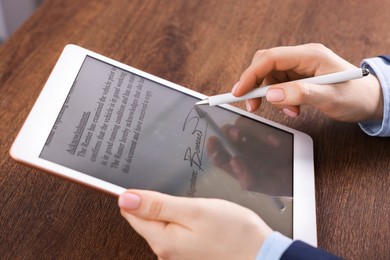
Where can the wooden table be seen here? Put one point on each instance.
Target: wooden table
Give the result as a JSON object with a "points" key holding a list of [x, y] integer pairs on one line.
{"points": [[203, 45]]}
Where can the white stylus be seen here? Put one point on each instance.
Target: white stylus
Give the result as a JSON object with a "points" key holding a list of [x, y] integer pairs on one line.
{"points": [[332, 78]]}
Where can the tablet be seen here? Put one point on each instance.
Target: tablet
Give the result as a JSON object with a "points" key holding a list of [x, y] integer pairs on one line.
{"points": [[111, 127]]}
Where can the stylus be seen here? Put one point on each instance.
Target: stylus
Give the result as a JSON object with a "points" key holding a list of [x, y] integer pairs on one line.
{"points": [[332, 78]]}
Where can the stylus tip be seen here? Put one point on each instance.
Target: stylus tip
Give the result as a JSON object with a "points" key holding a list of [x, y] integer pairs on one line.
{"points": [[203, 102]]}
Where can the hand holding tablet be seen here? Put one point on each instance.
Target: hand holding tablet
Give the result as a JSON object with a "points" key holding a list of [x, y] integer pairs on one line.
{"points": [[99, 122]]}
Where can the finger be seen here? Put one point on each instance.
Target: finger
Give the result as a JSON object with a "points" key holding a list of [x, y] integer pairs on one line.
{"points": [[275, 77], [154, 232], [152, 205], [252, 104], [281, 58], [292, 111], [299, 93], [305, 60], [144, 226]]}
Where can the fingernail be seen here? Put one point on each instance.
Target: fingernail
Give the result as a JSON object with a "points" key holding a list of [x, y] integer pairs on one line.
{"points": [[235, 87], [290, 112], [129, 201], [275, 95], [248, 106]]}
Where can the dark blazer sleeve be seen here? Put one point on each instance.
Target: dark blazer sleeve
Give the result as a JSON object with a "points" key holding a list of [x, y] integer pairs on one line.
{"points": [[385, 57], [299, 250]]}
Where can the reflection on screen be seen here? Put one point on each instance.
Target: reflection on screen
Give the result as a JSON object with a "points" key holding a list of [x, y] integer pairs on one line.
{"points": [[136, 133]]}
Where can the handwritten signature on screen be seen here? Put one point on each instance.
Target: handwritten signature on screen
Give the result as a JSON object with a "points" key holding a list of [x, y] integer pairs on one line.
{"points": [[194, 153]]}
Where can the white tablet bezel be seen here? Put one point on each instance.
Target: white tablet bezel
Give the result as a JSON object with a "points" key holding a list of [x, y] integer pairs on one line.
{"points": [[33, 135]]}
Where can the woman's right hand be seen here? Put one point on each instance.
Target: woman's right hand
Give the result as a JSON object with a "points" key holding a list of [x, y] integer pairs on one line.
{"points": [[351, 101]]}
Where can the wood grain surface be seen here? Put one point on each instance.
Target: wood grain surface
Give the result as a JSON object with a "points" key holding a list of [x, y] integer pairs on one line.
{"points": [[203, 45]]}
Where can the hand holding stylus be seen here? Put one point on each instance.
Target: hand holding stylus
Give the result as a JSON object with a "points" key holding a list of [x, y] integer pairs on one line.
{"points": [[333, 78], [283, 69]]}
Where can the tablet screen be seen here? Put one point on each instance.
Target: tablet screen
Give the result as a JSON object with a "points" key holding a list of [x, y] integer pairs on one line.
{"points": [[137, 133]]}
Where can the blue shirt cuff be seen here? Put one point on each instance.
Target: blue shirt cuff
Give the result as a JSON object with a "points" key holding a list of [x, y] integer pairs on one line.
{"points": [[274, 246], [381, 69]]}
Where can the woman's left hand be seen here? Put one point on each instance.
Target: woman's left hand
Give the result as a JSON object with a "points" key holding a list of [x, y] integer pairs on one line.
{"points": [[194, 228]]}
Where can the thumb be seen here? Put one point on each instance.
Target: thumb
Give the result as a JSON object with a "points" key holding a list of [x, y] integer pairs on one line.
{"points": [[299, 93], [155, 206]]}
